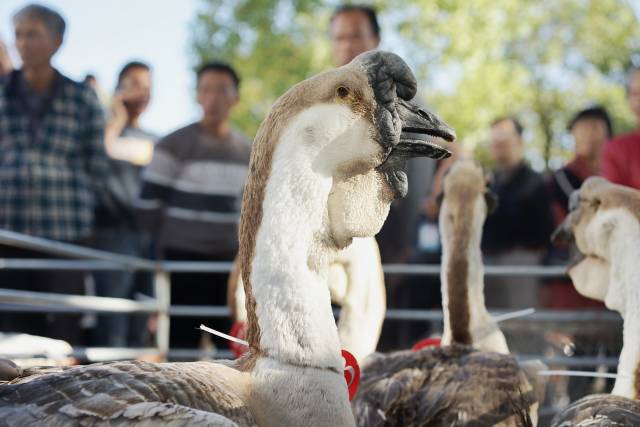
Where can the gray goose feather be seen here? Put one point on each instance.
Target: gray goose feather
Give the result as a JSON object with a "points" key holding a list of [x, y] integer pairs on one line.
{"points": [[602, 410], [122, 394], [443, 386]]}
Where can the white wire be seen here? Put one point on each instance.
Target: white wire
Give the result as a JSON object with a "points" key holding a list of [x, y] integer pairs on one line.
{"points": [[513, 315], [548, 373], [223, 335]]}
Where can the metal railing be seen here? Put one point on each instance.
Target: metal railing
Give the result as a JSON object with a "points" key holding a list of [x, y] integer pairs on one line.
{"points": [[89, 259]]}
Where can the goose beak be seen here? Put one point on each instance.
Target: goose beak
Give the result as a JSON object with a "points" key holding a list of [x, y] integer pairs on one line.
{"points": [[421, 136], [422, 132], [562, 234]]}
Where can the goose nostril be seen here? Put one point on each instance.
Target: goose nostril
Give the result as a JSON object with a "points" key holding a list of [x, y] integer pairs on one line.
{"points": [[423, 113]]}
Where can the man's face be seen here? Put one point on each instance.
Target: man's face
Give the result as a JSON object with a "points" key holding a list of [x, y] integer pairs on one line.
{"points": [[135, 89], [506, 144], [351, 34], [216, 95], [35, 42], [634, 94], [590, 136]]}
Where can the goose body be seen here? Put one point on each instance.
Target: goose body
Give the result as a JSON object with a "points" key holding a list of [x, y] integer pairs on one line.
{"points": [[602, 410], [128, 393], [457, 384], [604, 224], [444, 386], [325, 166]]}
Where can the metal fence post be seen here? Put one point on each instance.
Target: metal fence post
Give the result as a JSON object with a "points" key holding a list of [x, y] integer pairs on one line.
{"points": [[162, 284]]}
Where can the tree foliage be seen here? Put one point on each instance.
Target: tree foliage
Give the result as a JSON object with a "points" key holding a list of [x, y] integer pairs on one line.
{"points": [[539, 60]]}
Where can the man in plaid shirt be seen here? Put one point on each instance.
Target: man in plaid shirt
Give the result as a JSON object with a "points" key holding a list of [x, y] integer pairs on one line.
{"points": [[52, 159]]}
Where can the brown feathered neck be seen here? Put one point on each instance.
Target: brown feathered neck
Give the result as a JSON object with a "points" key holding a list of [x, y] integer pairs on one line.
{"points": [[462, 189]]}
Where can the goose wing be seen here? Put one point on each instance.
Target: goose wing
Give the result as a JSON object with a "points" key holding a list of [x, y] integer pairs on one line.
{"points": [[448, 386], [126, 393], [602, 410]]}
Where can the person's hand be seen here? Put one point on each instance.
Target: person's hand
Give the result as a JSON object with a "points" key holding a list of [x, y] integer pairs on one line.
{"points": [[119, 112], [6, 66]]}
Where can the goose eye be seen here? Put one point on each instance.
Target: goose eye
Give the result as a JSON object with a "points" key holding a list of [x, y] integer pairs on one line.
{"points": [[342, 92]]}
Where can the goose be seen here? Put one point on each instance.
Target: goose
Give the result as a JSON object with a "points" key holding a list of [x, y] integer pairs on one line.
{"points": [[452, 385], [356, 283], [604, 224], [325, 166], [466, 318]]}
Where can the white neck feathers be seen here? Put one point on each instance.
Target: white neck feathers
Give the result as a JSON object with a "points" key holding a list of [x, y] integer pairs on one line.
{"points": [[624, 292], [289, 268]]}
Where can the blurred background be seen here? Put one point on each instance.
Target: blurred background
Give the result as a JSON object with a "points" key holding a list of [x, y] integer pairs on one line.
{"points": [[475, 61]]}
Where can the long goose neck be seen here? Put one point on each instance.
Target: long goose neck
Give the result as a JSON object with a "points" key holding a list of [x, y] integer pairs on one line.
{"points": [[455, 290], [466, 319], [628, 382], [627, 274], [289, 267]]}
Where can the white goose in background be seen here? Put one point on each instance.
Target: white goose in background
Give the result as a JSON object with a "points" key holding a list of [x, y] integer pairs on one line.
{"points": [[454, 385], [325, 166], [604, 222], [356, 283]]}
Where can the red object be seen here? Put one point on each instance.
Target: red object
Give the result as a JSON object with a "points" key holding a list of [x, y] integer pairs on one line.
{"points": [[621, 160], [351, 373], [238, 330], [427, 342]]}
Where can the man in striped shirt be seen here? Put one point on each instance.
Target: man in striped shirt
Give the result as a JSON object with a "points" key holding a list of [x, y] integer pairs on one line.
{"points": [[191, 196]]}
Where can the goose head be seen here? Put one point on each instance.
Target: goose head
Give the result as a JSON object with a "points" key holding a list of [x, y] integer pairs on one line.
{"points": [[367, 158], [466, 203], [356, 125], [604, 225]]}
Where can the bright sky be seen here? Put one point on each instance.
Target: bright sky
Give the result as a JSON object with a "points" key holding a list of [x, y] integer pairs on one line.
{"points": [[103, 35]]}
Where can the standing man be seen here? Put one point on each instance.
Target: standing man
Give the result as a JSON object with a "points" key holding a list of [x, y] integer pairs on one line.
{"points": [[191, 197], [517, 232], [621, 157], [52, 160], [130, 148], [590, 128]]}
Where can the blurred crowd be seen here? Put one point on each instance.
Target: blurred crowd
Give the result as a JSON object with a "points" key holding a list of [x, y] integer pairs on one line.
{"points": [[77, 169]]}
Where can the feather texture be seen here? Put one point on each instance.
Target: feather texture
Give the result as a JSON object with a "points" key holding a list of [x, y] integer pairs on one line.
{"points": [[446, 386], [124, 393]]}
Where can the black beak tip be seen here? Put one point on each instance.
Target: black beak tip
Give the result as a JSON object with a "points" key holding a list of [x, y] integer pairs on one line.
{"points": [[562, 234], [448, 135]]}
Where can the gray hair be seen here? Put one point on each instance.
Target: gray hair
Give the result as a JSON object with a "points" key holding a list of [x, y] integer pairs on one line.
{"points": [[51, 19]]}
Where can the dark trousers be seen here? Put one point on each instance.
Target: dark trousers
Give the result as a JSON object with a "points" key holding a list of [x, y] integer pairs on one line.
{"points": [[120, 329], [197, 289], [49, 324]]}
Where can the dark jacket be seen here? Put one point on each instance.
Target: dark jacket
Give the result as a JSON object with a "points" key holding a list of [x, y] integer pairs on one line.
{"points": [[523, 215]]}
